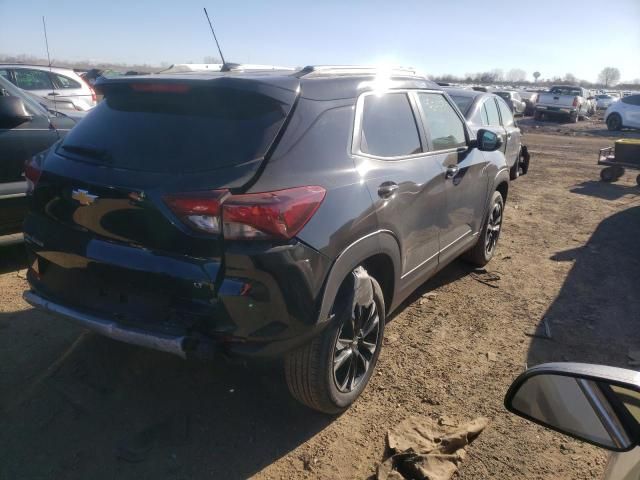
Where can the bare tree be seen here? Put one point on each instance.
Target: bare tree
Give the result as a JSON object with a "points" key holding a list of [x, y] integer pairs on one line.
{"points": [[609, 76], [536, 75], [211, 59], [516, 75], [498, 74], [570, 78]]}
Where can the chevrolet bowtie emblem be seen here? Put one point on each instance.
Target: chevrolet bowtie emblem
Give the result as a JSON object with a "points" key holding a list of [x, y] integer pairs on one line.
{"points": [[83, 197]]}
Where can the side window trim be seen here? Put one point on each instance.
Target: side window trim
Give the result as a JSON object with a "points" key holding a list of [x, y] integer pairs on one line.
{"points": [[357, 129]]}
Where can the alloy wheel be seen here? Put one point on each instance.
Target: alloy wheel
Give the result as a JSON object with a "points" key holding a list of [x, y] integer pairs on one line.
{"points": [[355, 347], [494, 224]]}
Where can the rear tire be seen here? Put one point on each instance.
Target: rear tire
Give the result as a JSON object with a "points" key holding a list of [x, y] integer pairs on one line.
{"points": [[485, 248], [614, 122], [537, 116], [573, 118], [329, 373]]}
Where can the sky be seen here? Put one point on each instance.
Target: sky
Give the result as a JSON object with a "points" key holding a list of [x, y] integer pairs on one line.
{"points": [[554, 37]]}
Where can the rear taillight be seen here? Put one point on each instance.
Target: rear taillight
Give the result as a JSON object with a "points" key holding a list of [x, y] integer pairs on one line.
{"points": [[575, 102], [32, 172], [94, 99], [261, 216]]}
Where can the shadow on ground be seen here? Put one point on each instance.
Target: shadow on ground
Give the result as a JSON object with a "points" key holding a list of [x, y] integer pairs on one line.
{"points": [[606, 191], [89, 407], [596, 316], [12, 255]]}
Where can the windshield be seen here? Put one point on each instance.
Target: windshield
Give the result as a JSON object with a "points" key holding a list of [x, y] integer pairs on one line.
{"points": [[463, 102]]}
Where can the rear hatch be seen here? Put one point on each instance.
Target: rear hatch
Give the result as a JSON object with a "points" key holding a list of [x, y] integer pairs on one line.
{"points": [[109, 180], [151, 138]]}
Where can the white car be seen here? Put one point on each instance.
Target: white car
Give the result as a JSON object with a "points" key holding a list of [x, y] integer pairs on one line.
{"points": [[53, 83], [624, 113], [604, 101]]}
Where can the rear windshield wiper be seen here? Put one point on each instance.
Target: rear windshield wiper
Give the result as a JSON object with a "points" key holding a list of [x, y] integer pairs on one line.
{"points": [[88, 151]]}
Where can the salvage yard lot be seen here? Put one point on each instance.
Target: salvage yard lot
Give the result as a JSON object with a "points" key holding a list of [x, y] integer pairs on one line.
{"points": [[75, 405]]}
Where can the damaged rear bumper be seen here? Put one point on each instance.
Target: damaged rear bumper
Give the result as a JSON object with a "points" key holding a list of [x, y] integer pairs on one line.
{"points": [[182, 346]]}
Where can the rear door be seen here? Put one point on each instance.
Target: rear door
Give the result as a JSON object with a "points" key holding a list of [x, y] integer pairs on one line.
{"points": [[631, 111], [513, 137], [465, 178], [71, 90], [405, 183]]}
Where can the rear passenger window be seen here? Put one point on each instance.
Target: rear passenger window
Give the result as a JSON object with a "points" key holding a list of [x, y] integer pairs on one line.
{"points": [[632, 100], [64, 82], [492, 113], [32, 79], [505, 112], [388, 126], [444, 125]]}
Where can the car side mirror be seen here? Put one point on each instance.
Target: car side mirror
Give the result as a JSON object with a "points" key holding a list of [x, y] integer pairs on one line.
{"points": [[593, 403], [12, 112], [488, 141]]}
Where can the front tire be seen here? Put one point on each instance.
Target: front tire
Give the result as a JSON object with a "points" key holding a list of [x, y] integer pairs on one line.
{"points": [[329, 373], [485, 248]]}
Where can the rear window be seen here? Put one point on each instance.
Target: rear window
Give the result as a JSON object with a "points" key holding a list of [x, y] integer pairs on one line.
{"points": [[64, 82], [576, 92], [463, 103], [199, 130], [631, 100], [388, 126]]}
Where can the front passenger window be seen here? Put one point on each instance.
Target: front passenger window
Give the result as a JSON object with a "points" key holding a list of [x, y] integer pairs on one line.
{"points": [[444, 125]]}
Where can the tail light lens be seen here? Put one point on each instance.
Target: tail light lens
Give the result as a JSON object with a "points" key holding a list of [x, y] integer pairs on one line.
{"points": [[575, 101], [262, 216], [33, 171], [94, 98]]}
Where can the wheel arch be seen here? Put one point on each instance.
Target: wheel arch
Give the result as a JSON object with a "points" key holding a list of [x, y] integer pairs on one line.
{"points": [[379, 253]]}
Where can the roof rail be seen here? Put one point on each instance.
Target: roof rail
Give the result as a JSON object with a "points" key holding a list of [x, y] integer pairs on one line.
{"points": [[319, 70]]}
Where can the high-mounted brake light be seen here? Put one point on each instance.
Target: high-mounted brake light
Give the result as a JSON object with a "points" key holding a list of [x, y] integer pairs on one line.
{"points": [[268, 215], [160, 87]]}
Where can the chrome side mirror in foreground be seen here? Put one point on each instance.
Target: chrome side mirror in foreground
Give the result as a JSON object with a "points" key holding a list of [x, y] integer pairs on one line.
{"points": [[593, 403]]}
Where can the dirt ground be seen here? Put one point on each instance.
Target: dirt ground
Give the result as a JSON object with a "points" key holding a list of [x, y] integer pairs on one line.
{"points": [[75, 406]]}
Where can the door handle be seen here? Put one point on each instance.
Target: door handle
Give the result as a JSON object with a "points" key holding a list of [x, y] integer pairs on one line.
{"points": [[387, 189], [54, 93], [451, 171]]}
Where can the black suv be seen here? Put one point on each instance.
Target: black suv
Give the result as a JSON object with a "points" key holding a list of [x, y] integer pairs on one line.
{"points": [[261, 214]]}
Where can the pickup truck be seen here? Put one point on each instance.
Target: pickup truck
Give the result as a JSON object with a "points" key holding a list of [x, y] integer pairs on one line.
{"points": [[563, 100]]}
